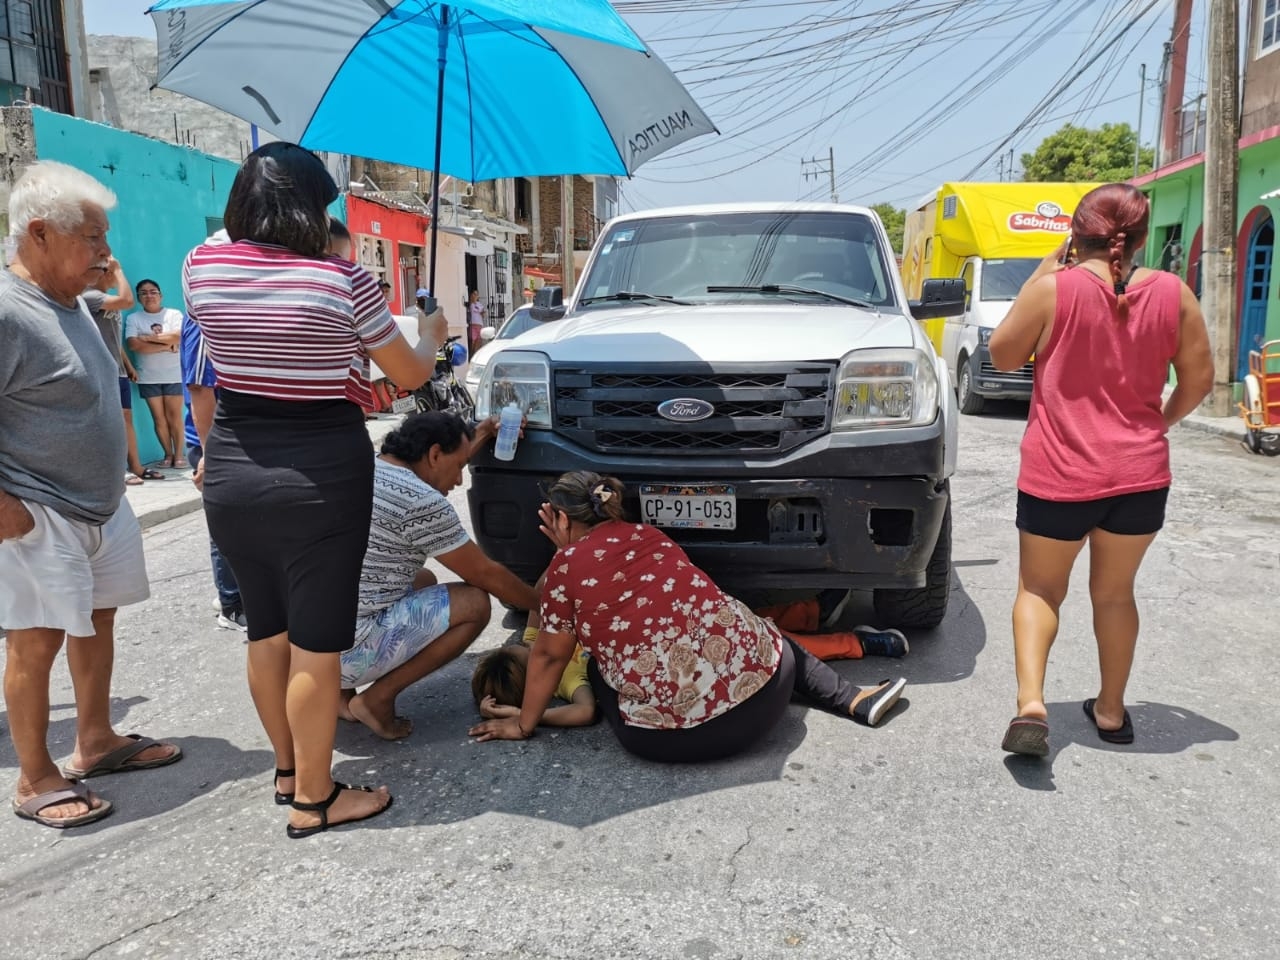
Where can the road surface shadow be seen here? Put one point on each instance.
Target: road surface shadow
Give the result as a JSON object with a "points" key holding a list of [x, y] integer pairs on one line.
{"points": [[1158, 728], [62, 727]]}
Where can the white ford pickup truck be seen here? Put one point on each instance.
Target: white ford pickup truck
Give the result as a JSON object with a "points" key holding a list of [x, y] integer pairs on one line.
{"points": [[755, 376]]}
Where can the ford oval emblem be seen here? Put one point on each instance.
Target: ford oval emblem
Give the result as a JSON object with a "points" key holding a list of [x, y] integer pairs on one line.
{"points": [[685, 410]]}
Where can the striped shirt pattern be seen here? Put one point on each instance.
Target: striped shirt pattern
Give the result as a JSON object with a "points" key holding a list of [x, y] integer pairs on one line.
{"points": [[285, 326], [412, 522]]}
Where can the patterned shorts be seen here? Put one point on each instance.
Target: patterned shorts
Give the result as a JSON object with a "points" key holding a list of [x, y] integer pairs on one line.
{"points": [[396, 635]]}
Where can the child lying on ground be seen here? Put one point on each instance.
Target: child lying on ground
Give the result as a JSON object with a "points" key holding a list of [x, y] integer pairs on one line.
{"points": [[498, 686]]}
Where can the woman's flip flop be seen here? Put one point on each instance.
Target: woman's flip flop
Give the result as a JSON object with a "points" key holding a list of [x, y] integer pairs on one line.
{"points": [[1123, 734], [1027, 736]]}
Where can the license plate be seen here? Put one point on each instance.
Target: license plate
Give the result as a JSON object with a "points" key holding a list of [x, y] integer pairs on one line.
{"points": [[404, 405], [698, 506]]}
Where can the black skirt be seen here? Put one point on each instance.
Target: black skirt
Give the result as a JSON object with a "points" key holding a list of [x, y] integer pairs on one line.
{"points": [[288, 494]]}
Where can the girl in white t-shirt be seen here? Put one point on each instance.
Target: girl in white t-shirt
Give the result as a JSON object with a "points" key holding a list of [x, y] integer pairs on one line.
{"points": [[154, 334]]}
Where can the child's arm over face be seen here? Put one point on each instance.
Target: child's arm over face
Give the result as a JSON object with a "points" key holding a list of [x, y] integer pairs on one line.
{"points": [[547, 660], [579, 712]]}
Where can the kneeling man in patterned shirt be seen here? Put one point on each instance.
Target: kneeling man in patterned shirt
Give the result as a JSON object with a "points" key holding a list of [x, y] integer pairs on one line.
{"points": [[409, 625]]}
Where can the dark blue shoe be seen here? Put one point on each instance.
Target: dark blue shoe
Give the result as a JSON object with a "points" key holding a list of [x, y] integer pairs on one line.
{"points": [[882, 643]]}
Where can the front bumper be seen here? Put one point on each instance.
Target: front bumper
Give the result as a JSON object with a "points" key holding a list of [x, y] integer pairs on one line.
{"points": [[849, 510]]}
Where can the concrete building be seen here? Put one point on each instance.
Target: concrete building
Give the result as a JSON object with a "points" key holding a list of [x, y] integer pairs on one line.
{"points": [[43, 55], [538, 208], [121, 72], [1176, 191]]}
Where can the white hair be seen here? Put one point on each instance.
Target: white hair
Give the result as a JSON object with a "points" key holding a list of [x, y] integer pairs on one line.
{"points": [[56, 193]]}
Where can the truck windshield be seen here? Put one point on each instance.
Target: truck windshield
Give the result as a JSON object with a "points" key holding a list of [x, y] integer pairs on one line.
{"points": [[681, 256], [1002, 279]]}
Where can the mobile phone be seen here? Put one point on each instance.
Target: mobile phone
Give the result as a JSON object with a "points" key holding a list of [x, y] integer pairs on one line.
{"points": [[429, 305], [1066, 252]]}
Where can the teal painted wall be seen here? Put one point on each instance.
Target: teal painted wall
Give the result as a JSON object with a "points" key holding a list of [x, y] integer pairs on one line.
{"points": [[166, 194]]}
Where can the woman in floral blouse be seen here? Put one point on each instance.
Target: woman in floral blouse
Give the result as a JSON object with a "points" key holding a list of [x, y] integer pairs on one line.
{"points": [[682, 671]]}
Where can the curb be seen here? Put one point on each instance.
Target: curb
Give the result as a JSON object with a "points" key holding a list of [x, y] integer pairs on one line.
{"points": [[159, 515], [1231, 427]]}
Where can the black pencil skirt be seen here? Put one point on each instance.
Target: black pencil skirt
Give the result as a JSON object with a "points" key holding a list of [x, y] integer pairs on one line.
{"points": [[288, 495]]}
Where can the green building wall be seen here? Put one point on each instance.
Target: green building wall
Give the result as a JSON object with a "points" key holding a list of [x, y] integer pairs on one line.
{"points": [[1177, 200]]}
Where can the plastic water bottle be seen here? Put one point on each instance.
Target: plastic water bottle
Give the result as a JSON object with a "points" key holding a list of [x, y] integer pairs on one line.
{"points": [[508, 432]]}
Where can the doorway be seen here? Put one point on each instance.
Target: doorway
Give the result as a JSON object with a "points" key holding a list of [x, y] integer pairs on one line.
{"points": [[1257, 288]]}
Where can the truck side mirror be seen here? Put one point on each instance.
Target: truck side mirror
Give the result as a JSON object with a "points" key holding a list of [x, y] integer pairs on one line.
{"points": [[939, 298], [548, 304]]}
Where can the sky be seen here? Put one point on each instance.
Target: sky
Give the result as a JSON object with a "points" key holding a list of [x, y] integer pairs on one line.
{"points": [[907, 95]]}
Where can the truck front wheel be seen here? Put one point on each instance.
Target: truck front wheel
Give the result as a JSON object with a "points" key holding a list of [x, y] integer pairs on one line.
{"points": [[970, 401], [924, 607]]}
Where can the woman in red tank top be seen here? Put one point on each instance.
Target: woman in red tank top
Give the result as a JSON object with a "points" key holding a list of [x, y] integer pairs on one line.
{"points": [[1095, 458]]}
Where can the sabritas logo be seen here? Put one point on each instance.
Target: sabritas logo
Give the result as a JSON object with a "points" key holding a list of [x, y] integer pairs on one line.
{"points": [[1048, 218]]}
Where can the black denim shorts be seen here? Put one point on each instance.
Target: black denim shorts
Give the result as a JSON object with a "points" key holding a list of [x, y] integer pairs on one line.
{"points": [[1129, 514]]}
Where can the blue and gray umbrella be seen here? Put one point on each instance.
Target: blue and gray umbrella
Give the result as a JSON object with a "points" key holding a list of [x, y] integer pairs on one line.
{"points": [[478, 90]]}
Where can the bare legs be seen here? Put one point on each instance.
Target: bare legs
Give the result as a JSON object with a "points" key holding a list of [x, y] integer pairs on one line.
{"points": [[296, 695], [1043, 576], [168, 443], [1044, 570], [177, 429], [26, 691], [133, 461], [375, 707], [1113, 566]]}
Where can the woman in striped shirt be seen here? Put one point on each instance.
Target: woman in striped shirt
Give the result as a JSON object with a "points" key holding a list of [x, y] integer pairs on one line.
{"points": [[288, 470]]}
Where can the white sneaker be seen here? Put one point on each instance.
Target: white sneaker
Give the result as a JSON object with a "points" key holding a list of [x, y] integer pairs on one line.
{"points": [[217, 604], [233, 620]]}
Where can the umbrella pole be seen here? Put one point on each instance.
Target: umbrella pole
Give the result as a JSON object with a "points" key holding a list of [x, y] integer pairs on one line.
{"points": [[435, 182]]}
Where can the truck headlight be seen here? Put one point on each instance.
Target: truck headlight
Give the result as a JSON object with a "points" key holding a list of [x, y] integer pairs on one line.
{"points": [[518, 375], [474, 374], [984, 335], [885, 388]]}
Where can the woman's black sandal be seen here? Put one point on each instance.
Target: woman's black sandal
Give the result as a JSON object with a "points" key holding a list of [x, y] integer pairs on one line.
{"points": [[322, 808], [284, 799]]}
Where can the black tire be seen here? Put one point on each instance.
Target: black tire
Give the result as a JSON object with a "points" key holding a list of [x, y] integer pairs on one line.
{"points": [[970, 402], [921, 608], [1253, 440]]}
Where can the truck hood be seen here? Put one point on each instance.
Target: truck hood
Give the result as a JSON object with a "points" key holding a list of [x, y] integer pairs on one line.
{"points": [[990, 313], [722, 333]]}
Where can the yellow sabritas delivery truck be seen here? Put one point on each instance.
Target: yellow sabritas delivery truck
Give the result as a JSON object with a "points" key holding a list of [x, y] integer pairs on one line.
{"points": [[992, 235]]}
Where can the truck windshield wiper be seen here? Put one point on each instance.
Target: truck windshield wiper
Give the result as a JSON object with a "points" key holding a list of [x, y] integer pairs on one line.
{"points": [[628, 295], [791, 288]]}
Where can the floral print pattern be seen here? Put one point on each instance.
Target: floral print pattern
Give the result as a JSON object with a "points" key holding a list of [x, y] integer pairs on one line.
{"points": [[677, 649]]}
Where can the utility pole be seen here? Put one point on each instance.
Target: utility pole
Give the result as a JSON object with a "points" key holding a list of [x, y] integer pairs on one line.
{"points": [[1137, 136], [817, 171], [566, 235], [1221, 166]]}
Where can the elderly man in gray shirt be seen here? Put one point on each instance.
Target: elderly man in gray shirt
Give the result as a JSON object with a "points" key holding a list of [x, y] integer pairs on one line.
{"points": [[70, 546]]}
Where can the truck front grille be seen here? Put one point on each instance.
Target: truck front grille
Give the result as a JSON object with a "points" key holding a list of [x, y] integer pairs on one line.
{"points": [[764, 409], [1026, 372]]}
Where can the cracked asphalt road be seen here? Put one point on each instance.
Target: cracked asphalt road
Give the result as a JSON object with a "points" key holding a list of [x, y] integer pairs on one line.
{"points": [[916, 840]]}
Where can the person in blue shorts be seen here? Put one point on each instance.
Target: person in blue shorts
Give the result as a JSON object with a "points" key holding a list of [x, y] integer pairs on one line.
{"points": [[407, 624]]}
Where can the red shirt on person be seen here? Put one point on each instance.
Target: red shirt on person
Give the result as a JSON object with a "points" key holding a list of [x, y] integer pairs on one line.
{"points": [[281, 325], [1096, 428], [676, 649]]}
